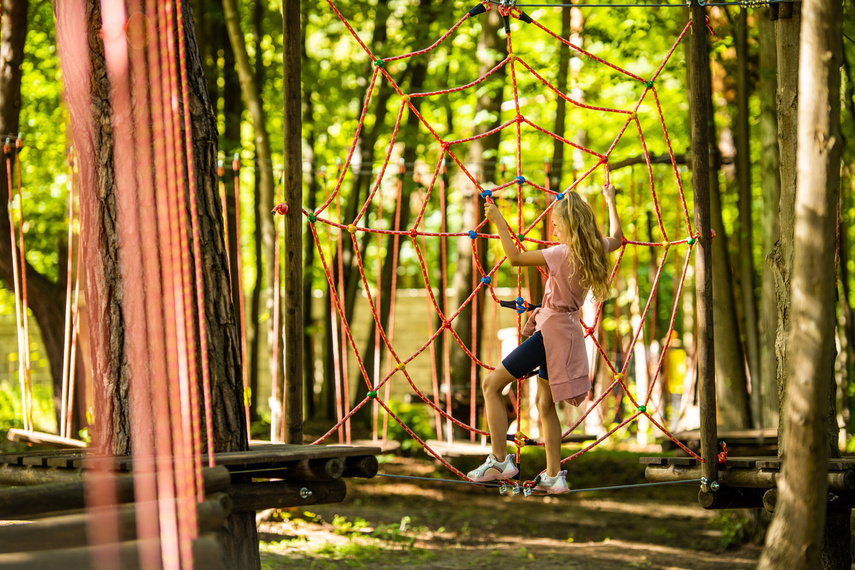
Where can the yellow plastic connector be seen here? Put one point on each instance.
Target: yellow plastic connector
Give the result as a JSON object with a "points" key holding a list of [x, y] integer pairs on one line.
{"points": [[351, 228], [401, 366]]}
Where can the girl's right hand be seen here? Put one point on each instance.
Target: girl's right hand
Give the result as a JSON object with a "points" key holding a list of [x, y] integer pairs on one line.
{"points": [[609, 192], [491, 212]]}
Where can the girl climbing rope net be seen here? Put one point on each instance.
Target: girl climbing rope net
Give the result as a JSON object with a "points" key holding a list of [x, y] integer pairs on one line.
{"points": [[556, 344]]}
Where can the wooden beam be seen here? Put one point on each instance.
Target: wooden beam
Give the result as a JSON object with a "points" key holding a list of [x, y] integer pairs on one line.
{"points": [[42, 438], [207, 553], [292, 183], [703, 258], [24, 501], [365, 467], [284, 494], [749, 478], [70, 531]]}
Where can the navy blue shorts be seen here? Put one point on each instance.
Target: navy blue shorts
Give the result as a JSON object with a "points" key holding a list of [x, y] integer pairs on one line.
{"points": [[527, 357]]}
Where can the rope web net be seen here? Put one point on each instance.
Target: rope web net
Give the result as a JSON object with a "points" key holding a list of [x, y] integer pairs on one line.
{"points": [[526, 198]]}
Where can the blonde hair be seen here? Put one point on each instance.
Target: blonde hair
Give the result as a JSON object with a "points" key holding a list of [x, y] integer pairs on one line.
{"points": [[583, 237]]}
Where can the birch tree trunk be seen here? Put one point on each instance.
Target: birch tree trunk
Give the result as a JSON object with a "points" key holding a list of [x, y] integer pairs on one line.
{"points": [[795, 538]]}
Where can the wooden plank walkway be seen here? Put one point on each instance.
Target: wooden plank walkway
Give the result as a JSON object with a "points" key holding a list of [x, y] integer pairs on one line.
{"points": [[262, 457]]}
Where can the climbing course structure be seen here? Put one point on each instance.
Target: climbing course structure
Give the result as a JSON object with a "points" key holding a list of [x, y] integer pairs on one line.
{"points": [[527, 195]]}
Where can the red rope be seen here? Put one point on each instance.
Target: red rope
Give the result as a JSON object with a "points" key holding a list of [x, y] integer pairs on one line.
{"points": [[418, 234]]}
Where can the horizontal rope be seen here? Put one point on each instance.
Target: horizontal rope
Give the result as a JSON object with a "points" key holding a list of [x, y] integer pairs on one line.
{"points": [[494, 484]]}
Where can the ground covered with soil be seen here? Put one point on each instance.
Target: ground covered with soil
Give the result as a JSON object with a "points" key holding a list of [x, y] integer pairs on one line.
{"points": [[389, 521]]}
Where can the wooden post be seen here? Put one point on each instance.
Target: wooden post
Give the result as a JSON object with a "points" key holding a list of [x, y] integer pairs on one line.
{"points": [[703, 258], [292, 415]]}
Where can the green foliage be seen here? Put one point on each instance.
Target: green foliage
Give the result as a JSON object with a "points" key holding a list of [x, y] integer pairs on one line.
{"points": [[417, 417], [11, 406], [733, 527]]}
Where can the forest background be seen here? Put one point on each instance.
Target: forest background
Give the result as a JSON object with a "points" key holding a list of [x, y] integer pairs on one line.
{"points": [[335, 77]]}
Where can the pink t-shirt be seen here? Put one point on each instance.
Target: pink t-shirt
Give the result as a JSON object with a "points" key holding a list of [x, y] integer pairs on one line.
{"points": [[563, 337], [562, 291]]}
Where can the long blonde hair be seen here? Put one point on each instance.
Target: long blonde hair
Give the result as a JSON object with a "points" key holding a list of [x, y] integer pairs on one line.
{"points": [[583, 237]]}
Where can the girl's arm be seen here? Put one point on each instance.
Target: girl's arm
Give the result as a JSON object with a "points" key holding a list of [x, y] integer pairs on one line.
{"points": [[515, 256], [615, 238]]}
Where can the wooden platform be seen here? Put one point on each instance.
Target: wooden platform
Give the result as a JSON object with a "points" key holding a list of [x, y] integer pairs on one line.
{"points": [[749, 482], [256, 462], [739, 442]]}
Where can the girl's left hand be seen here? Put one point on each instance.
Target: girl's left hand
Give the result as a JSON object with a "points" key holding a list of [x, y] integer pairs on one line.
{"points": [[491, 212]]}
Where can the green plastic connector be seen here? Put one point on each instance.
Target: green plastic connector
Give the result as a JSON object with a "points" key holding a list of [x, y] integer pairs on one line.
{"points": [[650, 84], [313, 218], [691, 241], [642, 409], [372, 394], [379, 63]]}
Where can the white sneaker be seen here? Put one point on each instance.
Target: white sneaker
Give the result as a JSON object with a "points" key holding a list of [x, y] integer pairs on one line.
{"points": [[552, 485], [493, 470]]}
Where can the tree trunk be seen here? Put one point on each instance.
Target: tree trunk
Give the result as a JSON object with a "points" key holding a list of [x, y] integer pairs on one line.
{"points": [[780, 259], [556, 170], [483, 152], [743, 171], [795, 538], [730, 379], [263, 164], [46, 298], [770, 183], [362, 167], [120, 344], [308, 245]]}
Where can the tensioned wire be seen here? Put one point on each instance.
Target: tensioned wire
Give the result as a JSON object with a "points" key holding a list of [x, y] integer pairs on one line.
{"points": [[495, 483]]}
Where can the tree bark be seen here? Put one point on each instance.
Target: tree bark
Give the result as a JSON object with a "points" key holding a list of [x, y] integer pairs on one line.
{"points": [[308, 246], [770, 184], [730, 379], [119, 343], [795, 538], [743, 172], [780, 259]]}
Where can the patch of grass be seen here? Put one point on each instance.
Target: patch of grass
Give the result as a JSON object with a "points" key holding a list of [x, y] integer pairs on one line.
{"points": [[733, 527]]}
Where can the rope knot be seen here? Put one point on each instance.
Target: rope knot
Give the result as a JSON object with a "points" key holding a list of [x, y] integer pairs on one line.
{"points": [[280, 209]]}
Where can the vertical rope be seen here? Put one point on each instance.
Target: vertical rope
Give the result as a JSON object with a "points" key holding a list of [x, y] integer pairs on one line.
{"points": [[7, 149]]}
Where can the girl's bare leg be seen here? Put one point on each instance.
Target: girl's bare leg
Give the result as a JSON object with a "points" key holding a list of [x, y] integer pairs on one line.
{"points": [[551, 426], [494, 405]]}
